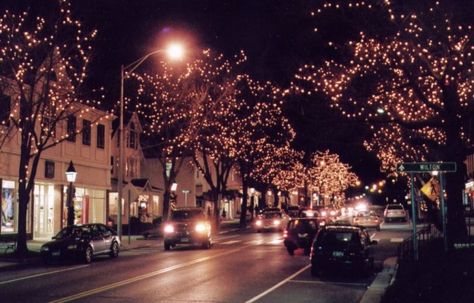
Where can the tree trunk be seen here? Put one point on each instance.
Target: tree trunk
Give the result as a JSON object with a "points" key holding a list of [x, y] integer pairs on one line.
{"points": [[23, 200], [166, 204], [243, 207], [217, 196], [455, 151]]}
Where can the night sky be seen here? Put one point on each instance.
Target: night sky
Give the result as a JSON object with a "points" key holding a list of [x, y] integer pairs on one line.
{"points": [[277, 36]]}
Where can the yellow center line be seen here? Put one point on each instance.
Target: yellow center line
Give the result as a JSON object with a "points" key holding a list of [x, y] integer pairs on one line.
{"points": [[142, 277], [42, 274]]}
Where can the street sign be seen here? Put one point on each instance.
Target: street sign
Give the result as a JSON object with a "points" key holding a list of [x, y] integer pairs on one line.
{"points": [[425, 167]]}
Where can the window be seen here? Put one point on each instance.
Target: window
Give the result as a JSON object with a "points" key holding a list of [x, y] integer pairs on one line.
{"points": [[100, 136], [132, 137], [71, 128], [112, 164], [49, 169], [86, 132], [5, 105]]}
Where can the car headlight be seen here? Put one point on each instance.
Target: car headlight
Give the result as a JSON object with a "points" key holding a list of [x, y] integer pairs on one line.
{"points": [[258, 223], [276, 222], [332, 213], [169, 229], [72, 246], [44, 248], [200, 227], [324, 213]]}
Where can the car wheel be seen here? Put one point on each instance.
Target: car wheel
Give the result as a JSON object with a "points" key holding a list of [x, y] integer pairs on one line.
{"points": [[307, 251], [167, 246], [378, 227], [258, 230], [315, 272], [114, 250], [46, 261], [291, 251], [88, 255]]}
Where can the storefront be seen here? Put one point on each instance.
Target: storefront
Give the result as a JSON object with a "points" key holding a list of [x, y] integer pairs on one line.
{"points": [[89, 206], [43, 211]]}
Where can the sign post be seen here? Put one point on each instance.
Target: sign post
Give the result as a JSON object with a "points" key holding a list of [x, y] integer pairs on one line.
{"points": [[427, 167]]}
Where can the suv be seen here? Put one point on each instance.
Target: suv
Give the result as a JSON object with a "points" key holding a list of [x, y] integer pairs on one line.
{"points": [[394, 212], [187, 226], [341, 247], [300, 234]]}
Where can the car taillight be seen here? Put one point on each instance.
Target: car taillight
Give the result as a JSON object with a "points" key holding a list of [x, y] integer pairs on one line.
{"points": [[169, 229], [285, 234]]}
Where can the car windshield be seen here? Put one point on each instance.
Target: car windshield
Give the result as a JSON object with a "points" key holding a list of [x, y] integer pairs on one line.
{"points": [[72, 231], [187, 214], [271, 215], [394, 207], [303, 225], [337, 238]]}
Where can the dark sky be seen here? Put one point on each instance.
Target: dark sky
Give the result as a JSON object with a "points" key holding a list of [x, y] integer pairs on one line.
{"points": [[277, 36]]}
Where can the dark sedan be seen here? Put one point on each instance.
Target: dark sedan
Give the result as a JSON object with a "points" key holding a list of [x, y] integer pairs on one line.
{"points": [[341, 247], [187, 226], [82, 242]]}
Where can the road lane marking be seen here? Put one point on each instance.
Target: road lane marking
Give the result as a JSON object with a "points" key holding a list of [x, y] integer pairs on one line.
{"points": [[42, 274], [276, 242], [278, 285], [328, 282], [142, 277], [396, 240], [231, 242]]}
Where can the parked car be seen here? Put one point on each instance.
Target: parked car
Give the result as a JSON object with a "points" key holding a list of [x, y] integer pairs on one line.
{"points": [[271, 219], [394, 212], [300, 233], [339, 247], [82, 242], [367, 219], [187, 226]]}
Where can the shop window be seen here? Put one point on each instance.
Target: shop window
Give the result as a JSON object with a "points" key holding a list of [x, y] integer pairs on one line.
{"points": [[5, 105], [100, 136], [8, 211], [132, 138], [86, 132], [71, 128], [49, 169]]}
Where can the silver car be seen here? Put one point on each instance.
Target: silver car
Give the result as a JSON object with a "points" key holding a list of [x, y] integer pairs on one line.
{"points": [[395, 212]]}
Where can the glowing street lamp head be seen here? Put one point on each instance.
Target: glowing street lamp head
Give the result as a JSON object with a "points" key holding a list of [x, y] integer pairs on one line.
{"points": [[175, 51]]}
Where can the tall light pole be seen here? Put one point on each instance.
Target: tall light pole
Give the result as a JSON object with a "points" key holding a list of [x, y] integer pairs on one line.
{"points": [[71, 178], [174, 51]]}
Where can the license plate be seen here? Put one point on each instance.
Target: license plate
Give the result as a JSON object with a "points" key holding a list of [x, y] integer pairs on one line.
{"points": [[55, 253], [184, 239], [337, 254]]}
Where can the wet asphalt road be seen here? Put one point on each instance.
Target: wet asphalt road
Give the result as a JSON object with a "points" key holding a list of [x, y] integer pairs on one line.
{"points": [[240, 267]]}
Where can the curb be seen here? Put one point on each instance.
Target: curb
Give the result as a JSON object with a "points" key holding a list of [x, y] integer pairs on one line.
{"points": [[384, 279]]}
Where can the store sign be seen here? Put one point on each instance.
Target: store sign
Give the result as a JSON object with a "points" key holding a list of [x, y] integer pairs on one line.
{"points": [[426, 167]]}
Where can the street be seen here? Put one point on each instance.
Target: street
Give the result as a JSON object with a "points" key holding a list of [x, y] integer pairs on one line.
{"points": [[240, 267]]}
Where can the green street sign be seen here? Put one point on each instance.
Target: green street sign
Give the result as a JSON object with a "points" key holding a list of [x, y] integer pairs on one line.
{"points": [[425, 167]]}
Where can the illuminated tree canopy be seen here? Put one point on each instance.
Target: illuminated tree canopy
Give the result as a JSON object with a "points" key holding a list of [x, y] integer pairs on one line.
{"points": [[411, 82]]}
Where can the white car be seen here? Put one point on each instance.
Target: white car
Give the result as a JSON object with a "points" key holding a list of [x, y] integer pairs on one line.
{"points": [[271, 219], [394, 212]]}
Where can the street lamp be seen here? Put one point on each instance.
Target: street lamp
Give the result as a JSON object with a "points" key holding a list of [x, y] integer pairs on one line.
{"points": [[71, 178], [174, 51]]}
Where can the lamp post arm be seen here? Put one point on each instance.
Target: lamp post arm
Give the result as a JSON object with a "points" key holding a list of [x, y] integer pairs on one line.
{"points": [[135, 64]]}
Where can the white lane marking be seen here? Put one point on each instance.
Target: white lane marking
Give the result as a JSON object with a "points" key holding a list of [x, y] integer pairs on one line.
{"points": [[396, 240], [276, 242], [42, 274], [231, 242], [227, 237], [372, 236], [255, 242], [107, 287], [328, 282], [278, 285]]}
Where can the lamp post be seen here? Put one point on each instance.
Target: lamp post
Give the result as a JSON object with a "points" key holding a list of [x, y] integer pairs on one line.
{"points": [[174, 51], [71, 178]]}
